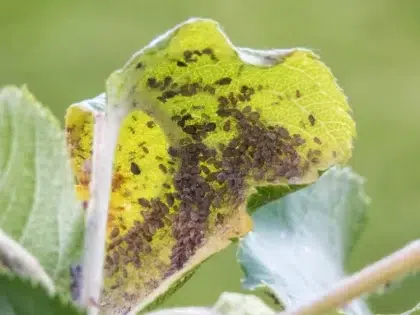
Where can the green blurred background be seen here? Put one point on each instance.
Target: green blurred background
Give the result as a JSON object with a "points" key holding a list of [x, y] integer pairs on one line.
{"points": [[64, 50]]}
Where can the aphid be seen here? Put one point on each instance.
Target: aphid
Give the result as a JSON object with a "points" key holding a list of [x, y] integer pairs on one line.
{"points": [[226, 126], [207, 51], [152, 83], [210, 89], [163, 168], [283, 132], [205, 169], [223, 100], [311, 119], [210, 126], [76, 281], [169, 94], [135, 169], [180, 63], [317, 140], [232, 99], [247, 109], [150, 124], [244, 89], [188, 56], [108, 260], [170, 199], [114, 233], [272, 136], [223, 112], [143, 202], [254, 116], [190, 129], [166, 82], [310, 154], [223, 81], [173, 151], [176, 118], [315, 160], [317, 152]]}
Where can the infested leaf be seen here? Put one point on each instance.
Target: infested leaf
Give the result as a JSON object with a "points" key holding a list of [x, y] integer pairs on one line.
{"points": [[38, 205], [209, 123], [21, 297], [300, 243]]}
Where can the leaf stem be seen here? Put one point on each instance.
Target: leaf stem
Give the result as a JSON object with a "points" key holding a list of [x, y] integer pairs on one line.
{"points": [[105, 139], [367, 280], [15, 257]]}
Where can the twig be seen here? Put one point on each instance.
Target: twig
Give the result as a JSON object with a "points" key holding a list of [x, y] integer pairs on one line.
{"points": [[367, 280], [105, 139], [20, 261]]}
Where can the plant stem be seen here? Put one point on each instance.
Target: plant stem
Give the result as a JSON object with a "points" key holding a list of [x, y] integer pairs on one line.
{"points": [[105, 139], [367, 280], [19, 260]]}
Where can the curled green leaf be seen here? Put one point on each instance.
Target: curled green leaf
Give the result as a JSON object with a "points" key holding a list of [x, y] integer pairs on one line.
{"points": [[300, 243]]}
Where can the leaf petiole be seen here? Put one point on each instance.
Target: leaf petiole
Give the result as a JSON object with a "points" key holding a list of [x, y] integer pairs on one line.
{"points": [[105, 138]]}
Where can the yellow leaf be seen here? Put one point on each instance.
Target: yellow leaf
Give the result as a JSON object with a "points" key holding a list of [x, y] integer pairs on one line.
{"points": [[209, 123]]}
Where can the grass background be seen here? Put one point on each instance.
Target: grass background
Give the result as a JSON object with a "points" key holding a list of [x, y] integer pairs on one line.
{"points": [[64, 50]]}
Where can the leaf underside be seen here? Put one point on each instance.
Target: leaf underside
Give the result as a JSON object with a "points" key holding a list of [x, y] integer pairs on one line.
{"points": [[300, 243], [209, 122], [38, 205]]}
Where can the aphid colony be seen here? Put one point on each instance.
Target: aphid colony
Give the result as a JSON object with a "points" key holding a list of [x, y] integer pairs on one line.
{"points": [[207, 179]]}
